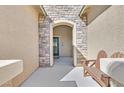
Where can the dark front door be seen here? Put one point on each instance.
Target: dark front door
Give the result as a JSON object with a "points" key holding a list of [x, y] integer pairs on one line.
{"points": [[56, 46]]}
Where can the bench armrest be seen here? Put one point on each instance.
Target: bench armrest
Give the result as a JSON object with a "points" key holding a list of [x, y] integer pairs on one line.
{"points": [[99, 76]]}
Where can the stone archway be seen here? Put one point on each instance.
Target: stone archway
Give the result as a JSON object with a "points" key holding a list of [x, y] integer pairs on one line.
{"points": [[67, 23]]}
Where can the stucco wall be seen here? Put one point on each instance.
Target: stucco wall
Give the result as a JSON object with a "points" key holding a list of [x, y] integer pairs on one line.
{"points": [[65, 34], [107, 32], [19, 37]]}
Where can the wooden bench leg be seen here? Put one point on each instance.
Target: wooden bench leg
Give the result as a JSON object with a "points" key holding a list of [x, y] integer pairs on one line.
{"points": [[106, 79], [85, 73], [86, 64]]}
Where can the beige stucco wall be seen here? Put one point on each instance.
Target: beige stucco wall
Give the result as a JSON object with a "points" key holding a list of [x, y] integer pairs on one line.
{"points": [[107, 32], [65, 34], [19, 37]]}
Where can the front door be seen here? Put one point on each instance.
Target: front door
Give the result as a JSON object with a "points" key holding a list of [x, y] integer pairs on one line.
{"points": [[56, 46]]}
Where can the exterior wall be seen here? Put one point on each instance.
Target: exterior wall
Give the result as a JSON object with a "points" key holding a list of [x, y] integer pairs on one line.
{"points": [[61, 12], [106, 32], [65, 34], [44, 40], [19, 38]]}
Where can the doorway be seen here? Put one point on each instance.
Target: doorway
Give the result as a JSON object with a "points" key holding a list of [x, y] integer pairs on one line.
{"points": [[62, 45], [73, 41], [56, 45]]}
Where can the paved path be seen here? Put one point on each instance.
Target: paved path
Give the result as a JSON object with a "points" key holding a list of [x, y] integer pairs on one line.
{"points": [[77, 75], [51, 76]]}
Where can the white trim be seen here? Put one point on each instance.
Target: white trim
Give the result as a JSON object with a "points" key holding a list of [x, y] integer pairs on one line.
{"points": [[42, 9], [82, 11], [63, 22], [74, 43], [68, 23], [51, 44], [56, 36]]}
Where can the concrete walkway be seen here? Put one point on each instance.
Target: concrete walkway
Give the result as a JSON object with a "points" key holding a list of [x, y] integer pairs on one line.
{"points": [[77, 75], [51, 76]]}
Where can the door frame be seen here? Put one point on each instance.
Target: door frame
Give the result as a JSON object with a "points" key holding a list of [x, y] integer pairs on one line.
{"points": [[68, 23], [59, 43]]}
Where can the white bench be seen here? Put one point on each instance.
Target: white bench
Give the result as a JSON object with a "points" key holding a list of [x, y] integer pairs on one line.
{"points": [[114, 67], [9, 69]]}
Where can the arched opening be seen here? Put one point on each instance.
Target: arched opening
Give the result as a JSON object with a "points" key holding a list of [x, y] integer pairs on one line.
{"points": [[62, 40], [62, 44]]}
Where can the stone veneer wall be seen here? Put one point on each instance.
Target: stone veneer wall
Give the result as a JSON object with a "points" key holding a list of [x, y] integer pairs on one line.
{"points": [[44, 40], [60, 12]]}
